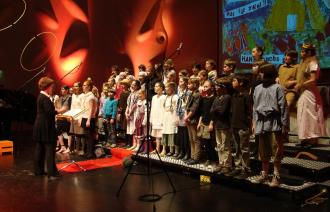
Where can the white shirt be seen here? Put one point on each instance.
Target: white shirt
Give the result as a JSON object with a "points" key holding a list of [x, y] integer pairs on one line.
{"points": [[156, 112], [76, 102], [46, 94], [87, 98]]}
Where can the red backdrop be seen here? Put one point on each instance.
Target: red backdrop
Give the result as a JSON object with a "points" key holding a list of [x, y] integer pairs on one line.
{"points": [[100, 34]]}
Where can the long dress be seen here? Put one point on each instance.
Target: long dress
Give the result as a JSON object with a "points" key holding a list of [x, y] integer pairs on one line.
{"points": [[131, 107], [140, 119], [309, 107]]}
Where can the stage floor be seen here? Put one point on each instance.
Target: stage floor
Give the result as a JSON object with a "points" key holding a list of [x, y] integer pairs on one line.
{"points": [[96, 190]]}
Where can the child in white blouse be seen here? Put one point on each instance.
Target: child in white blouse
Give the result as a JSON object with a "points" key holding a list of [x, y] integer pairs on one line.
{"points": [[170, 119], [157, 103]]}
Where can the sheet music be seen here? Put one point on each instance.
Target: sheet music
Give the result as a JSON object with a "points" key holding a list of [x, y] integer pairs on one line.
{"points": [[73, 113]]}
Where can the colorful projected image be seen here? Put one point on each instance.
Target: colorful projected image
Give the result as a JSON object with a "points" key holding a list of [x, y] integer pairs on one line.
{"points": [[277, 25]]}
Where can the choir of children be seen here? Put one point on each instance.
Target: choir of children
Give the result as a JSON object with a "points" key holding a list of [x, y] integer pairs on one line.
{"points": [[209, 117]]}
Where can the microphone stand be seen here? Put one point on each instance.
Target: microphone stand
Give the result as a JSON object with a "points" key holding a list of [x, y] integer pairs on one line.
{"points": [[29, 80], [177, 50], [42, 71], [150, 197], [65, 75]]}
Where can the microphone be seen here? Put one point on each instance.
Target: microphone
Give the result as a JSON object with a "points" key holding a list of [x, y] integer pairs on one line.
{"points": [[180, 46]]}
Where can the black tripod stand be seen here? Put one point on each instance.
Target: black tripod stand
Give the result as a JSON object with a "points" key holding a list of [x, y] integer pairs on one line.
{"points": [[71, 161], [71, 121], [147, 197]]}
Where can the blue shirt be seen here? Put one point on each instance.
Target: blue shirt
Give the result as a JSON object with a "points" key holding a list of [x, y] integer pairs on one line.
{"points": [[270, 111], [110, 108]]}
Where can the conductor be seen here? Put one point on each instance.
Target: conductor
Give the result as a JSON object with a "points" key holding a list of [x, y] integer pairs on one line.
{"points": [[44, 131]]}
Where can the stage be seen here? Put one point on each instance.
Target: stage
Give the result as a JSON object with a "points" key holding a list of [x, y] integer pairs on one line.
{"points": [[95, 190], [295, 184]]}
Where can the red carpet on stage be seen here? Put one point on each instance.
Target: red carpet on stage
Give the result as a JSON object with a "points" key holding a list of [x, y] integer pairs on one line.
{"points": [[116, 160]]}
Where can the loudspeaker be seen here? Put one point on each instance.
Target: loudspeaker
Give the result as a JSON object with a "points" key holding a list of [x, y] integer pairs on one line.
{"points": [[101, 151]]}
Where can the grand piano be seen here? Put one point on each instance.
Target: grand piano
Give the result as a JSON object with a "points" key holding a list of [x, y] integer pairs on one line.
{"points": [[19, 106]]}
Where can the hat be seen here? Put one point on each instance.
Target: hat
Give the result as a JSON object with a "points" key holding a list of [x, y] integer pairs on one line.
{"points": [[308, 46], [45, 82]]}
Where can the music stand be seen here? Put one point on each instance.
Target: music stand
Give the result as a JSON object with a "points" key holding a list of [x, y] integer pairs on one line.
{"points": [[71, 163], [69, 119]]}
